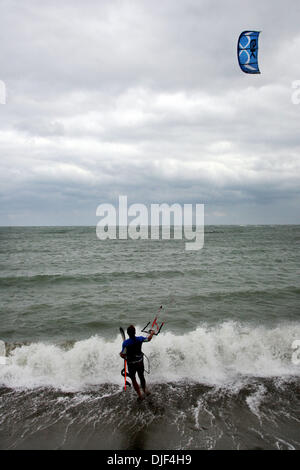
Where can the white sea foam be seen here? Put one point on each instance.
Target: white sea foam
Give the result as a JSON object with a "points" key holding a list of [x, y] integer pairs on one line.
{"points": [[215, 355], [255, 399]]}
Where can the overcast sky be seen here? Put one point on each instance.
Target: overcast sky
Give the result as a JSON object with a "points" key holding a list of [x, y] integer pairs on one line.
{"points": [[146, 99]]}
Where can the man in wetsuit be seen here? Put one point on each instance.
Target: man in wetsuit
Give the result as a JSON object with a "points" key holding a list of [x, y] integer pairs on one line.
{"points": [[132, 352]]}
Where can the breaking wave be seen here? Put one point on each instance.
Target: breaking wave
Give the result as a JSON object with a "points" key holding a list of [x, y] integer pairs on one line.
{"points": [[226, 353]]}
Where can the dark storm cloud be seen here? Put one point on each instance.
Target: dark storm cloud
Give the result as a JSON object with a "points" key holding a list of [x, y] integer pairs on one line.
{"points": [[146, 99]]}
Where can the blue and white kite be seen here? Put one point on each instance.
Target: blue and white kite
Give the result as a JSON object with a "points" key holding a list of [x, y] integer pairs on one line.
{"points": [[247, 51]]}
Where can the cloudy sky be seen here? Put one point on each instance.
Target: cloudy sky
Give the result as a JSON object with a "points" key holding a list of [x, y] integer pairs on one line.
{"points": [[145, 99]]}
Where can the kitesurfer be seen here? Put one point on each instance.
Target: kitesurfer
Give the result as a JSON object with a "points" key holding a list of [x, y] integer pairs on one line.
{"points": [[132, 352]]}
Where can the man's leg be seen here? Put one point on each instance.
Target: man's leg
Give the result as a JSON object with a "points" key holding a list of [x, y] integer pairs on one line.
{"points": [[137, 388], [140, 372]]}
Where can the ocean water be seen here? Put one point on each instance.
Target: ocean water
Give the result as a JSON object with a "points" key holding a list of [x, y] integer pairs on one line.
{"points": [[222, 374]]}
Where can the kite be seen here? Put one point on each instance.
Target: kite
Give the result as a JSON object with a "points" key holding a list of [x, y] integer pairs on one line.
{"points": [[247, 51]]}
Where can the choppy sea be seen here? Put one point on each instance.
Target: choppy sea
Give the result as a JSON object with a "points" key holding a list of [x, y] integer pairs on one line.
{"points": [[224, 371]]}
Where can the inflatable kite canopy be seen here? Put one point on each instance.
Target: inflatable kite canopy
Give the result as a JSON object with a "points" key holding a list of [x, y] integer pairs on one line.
{"points": [[247, 51]]}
